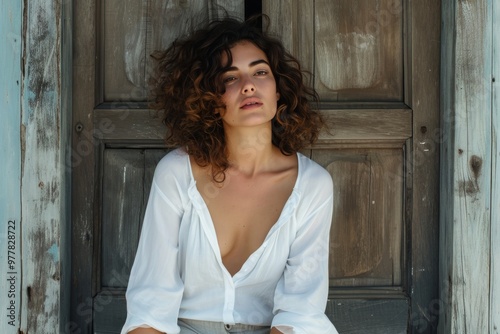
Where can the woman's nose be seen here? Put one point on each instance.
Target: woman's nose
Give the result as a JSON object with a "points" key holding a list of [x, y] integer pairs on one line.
{"points": [[248, 87]]}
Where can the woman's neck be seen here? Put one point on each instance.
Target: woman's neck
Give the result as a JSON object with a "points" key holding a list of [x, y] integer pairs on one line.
{"points": [[250, 150]]}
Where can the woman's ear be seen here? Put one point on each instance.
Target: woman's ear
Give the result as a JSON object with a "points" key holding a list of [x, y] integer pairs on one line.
{"points": [[277, 96]]}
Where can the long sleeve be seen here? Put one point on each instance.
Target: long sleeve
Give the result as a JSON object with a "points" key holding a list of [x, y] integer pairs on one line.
{"points": [[155, 288], [302, 292]]}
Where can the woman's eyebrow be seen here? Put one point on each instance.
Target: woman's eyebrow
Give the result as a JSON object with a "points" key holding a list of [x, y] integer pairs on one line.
{"points": [[253, 63], [259, 61]]}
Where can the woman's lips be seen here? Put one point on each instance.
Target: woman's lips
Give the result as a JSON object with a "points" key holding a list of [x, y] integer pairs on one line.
{"points": [[250, 103]]}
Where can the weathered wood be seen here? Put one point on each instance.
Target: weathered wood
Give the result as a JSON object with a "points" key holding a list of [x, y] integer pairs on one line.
{"points": [[344, 125], [126, 182], [367, 228], [466, 168], [369, 124], [423, 163], [65, 135], [128, 125], [82, 162], [133, 30], [110, 311], [378, 316], [495, 181], [122, 185], [354, 48], [43, 192], [10, 168], [358, 50], [291, 21], [127, 176]]}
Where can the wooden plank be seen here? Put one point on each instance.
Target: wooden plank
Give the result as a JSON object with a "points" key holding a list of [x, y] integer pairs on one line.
{"points": [[291, 21], [423, 162], [82, 162], [370, 124], [128, 125], [10, 168], [65, 135], [466, 168], [346, 125], [369, 316], [43, 191], [495, 172]]}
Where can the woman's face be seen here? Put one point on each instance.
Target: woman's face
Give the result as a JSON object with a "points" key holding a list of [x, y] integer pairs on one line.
{"points": [[250, 97]]}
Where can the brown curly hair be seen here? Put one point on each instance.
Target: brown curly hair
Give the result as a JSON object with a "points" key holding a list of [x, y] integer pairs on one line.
{"points": [[188, 90]]}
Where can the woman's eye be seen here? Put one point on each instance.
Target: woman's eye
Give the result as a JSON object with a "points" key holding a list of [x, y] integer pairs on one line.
{"points": [[261, 72], [228, 79]]}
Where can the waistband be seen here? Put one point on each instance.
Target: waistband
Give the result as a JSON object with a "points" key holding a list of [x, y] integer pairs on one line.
{"points": [[213, 327]]}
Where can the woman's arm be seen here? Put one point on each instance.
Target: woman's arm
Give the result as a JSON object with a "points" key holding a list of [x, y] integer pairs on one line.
{"points": [[155, 277], [273, 331], [302, 292], [142, 330]]}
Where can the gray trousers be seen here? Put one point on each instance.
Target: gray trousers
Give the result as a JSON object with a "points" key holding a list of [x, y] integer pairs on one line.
{"points": [[189, 326]]}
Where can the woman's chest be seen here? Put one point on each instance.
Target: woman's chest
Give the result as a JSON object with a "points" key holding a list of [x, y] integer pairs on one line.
{"points": [[200, 252]]}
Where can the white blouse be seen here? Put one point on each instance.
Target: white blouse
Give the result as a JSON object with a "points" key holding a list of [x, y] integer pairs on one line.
{"points": [[178, 270]]}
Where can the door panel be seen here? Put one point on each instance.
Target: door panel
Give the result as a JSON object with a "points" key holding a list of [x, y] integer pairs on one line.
{"points": [[354, 48], [127, 176], [361, 58], [358, 50], [367, 230], [122, 206], [133, 30]]}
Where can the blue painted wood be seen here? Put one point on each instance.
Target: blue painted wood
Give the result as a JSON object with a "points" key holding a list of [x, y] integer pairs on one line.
{"points": [[466, 167], [10, 165], [44, 193], [495, 182]]}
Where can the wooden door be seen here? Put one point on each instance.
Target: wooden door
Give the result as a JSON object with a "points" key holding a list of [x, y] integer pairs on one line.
{"points": [[375, 64]]}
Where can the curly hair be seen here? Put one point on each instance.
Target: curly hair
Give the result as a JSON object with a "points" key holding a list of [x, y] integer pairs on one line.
{"points": [[188, 90]]}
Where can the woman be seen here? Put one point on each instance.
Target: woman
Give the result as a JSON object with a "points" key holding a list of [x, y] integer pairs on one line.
{"points": [[235, 235]]}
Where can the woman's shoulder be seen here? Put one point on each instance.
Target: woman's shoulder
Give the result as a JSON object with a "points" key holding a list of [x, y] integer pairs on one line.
{"points": [[311, 170], [174, 158], [174, 165], [313, 176]]}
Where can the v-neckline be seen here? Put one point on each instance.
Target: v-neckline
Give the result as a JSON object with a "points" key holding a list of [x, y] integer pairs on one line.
{"points": [[209, 227]]}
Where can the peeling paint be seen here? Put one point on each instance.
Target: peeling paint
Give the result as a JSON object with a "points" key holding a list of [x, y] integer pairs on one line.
{"points": [[54, 252], [41, 168]]}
